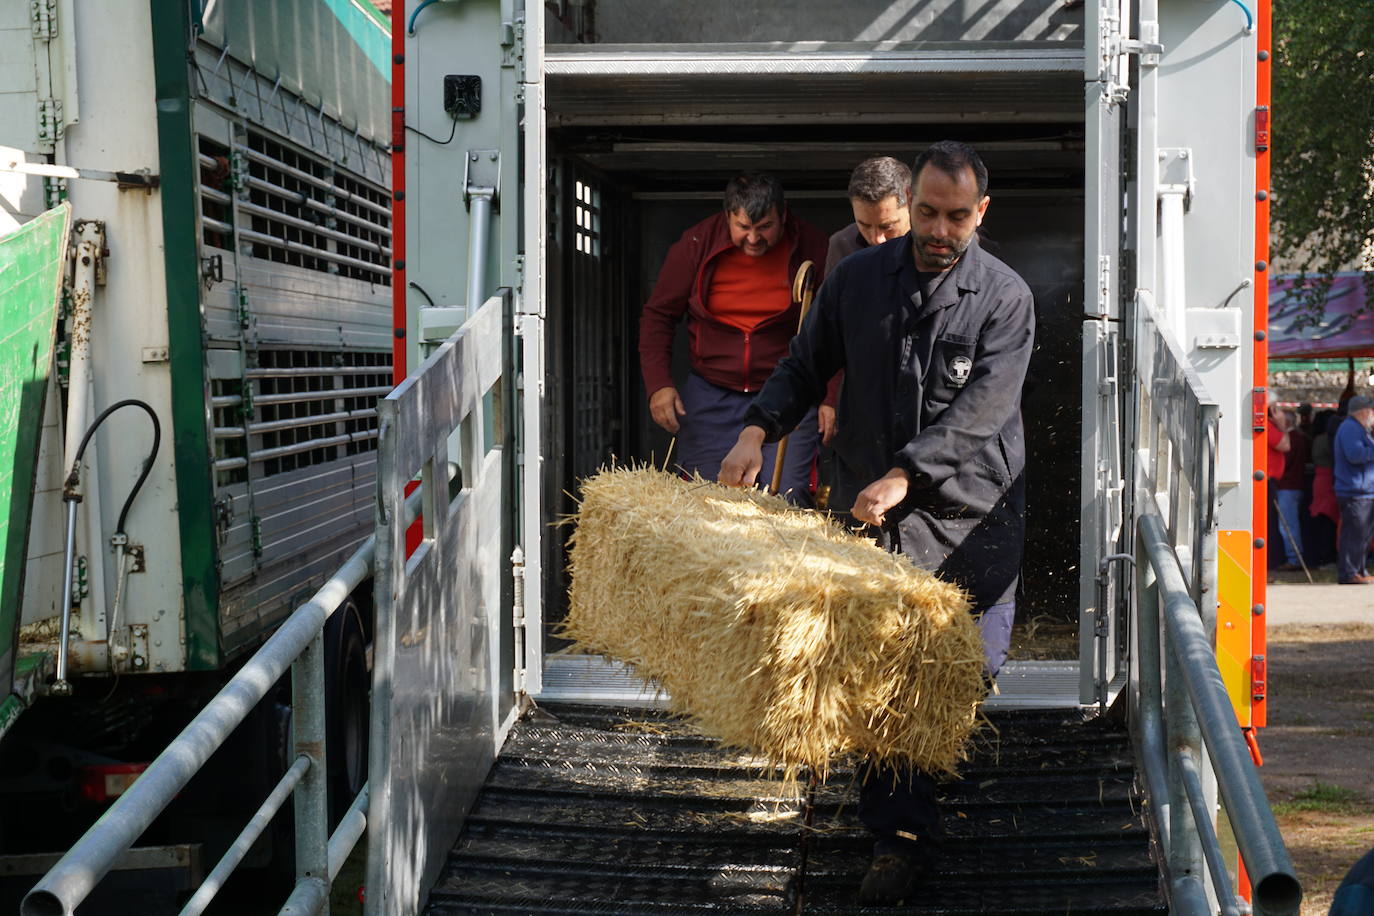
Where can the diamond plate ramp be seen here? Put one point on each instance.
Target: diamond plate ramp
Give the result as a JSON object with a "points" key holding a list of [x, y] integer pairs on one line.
{"points": [[606, 810]]}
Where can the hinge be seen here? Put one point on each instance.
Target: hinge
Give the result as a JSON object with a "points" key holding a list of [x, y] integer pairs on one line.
{"points": [[1148, 47], [49, 120], [224, 515], [517, 568], [238, 172], [54, 191], [246, 405], [513, 53], [1104, 282], [245, 317], [44, 19]]}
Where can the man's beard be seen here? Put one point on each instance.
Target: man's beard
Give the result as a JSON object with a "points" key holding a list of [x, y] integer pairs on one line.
{"points": [[945, 261]]}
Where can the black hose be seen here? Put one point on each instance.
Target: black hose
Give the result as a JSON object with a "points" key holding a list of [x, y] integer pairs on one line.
{"points": [[74, 478]]}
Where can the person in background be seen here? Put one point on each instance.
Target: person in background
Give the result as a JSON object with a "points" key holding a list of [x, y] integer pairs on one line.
{"points": [[1277, 441], [1305, 418], [1292, 483], [879, 191], [1355, 896], [1323, 504], [730, 278], [1353, 448], [879, 196]]}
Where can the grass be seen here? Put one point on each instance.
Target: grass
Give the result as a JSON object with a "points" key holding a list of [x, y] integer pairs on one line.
{"points": [[1321, 797]]}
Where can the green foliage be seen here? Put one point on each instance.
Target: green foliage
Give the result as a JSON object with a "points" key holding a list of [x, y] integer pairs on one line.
{"points": [[1323, 137], [1323, 797]]}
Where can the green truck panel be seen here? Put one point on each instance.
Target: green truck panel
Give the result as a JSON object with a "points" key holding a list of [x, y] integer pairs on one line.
{"points": [[31, 260]]}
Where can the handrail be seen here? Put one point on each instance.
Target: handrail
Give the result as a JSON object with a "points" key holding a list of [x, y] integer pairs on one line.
{"points": [[1276, 888], [72, 879]]}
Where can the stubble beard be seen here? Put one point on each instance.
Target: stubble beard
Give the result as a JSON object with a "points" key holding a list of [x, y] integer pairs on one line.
{"points": [[940, 262]]}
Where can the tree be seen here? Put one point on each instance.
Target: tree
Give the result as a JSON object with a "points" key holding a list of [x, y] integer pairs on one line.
{"points": [[1323, 139]]}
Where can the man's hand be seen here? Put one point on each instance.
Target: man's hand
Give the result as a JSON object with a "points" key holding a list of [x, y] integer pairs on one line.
{"points": [[874, 501], [825, 423], [665, 407], [741, 467]]}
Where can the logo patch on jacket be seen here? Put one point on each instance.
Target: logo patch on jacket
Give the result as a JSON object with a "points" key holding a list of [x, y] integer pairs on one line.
{"points": [[959, 369]]}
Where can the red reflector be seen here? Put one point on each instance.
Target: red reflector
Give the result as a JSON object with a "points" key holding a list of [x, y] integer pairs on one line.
{"points": [[108, 782], [1262, 128]]}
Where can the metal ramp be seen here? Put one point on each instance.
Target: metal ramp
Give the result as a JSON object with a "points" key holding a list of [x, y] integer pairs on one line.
{"points": [[618, 810]]}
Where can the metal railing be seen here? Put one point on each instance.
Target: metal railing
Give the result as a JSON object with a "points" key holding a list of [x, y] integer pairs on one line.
{"points": [[1186, 729], [298, 644]]}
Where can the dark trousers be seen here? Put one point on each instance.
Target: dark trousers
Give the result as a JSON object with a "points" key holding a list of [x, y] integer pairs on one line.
{"points": [[898, 804], [712, 425], [1357, 527]]}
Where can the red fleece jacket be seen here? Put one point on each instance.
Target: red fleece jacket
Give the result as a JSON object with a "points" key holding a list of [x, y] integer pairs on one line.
{"points": [[722, 354]]}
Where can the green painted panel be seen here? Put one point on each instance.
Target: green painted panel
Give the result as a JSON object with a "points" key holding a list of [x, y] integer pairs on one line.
{"points": [[190, 434], [31, 260]]}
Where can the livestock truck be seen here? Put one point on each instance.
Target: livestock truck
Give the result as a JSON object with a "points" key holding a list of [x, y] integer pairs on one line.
{"points": [[228, 274], [543, 158]]}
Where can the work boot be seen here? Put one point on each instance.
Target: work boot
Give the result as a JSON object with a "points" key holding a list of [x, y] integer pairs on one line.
{"points": [[894, 876]]}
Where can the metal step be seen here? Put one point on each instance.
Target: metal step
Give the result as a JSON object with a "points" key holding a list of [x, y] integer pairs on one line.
{"points": [[598, 681], [627, 810]]}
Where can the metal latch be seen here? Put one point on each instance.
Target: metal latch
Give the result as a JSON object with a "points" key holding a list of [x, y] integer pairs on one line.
{"points": [[1259, 670]]}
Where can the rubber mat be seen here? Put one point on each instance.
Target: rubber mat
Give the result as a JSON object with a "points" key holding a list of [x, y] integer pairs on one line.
{"points": [[603, 810]]}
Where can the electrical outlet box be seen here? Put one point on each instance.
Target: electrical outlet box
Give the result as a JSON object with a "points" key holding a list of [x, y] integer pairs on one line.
{"points": [[462, 96]]}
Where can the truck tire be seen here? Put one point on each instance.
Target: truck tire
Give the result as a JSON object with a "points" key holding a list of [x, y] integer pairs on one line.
{"points": [[347, 707]]}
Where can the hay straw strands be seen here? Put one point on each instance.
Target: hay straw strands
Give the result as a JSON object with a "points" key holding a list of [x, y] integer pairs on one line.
{"points": [[773, 628]]}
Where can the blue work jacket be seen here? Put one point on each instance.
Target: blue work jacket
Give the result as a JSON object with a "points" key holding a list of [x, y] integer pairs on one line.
{"points": [[1353, 450], [930, 386]]}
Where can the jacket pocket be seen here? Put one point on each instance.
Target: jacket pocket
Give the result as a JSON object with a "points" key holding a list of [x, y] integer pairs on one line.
{"points": [[951, 367]]}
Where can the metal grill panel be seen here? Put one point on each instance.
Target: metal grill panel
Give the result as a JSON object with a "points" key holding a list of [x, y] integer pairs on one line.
{"points": [[600, 810]]}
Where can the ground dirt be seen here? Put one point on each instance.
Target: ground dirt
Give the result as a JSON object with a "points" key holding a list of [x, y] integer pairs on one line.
{"points": [[1319, 749]]}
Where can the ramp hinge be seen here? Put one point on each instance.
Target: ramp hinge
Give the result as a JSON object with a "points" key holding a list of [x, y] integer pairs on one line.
{"points": [[44, 19]]}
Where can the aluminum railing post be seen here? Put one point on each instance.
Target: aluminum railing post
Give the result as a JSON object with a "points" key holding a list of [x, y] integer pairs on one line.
{"points": [[1185, 850], [1154, 757], [312, 794]]}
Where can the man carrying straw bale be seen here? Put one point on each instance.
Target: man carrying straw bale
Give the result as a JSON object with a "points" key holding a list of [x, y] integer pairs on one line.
{"points": [[934, 335]]}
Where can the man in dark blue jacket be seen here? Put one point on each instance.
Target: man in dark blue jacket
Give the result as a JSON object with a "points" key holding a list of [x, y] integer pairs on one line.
{"points": [[1353, 450], [934, 335]]}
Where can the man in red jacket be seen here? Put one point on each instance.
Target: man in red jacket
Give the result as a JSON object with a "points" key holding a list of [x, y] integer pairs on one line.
{"points": [[731, 276]]}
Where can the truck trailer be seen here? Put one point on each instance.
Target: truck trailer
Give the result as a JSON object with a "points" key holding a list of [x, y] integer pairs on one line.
{"points": [[228, 276], [542, 160]]}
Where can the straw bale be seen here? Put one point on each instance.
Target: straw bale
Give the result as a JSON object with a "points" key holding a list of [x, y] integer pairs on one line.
{"points": [[771, 627]]}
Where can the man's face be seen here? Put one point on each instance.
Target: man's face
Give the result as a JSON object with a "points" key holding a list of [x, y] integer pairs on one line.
{"points": [[884, 220], [945, 212], [1364, 417], [755, 238]]}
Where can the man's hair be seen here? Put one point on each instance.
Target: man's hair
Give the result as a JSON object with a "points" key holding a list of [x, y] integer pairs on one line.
{"points": [[755, 193], [876, 179], [952, 157]]}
